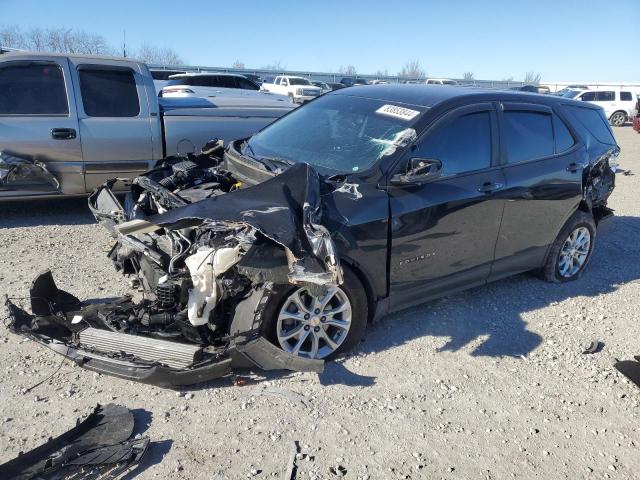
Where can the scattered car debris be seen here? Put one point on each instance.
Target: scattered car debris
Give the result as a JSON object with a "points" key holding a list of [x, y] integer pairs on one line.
{"points": [[594, 347], [99, 447], [15, 169], [630, 369]]}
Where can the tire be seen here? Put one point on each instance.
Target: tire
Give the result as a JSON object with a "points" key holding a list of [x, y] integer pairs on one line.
{"points": [[556, 268], [280, 295], [618, 119], [291, 99]]}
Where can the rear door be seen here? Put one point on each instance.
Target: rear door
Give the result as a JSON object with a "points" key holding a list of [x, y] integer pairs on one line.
{"points": [[114, 120], [543, 165], [443, 233], [38, 121]]}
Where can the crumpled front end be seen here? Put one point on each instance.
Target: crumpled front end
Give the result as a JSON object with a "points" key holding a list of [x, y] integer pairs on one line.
{"points": [[205, 253]]}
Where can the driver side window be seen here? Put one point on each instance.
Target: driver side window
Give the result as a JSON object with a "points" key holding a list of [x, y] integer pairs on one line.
{"points": [[462, 145]]}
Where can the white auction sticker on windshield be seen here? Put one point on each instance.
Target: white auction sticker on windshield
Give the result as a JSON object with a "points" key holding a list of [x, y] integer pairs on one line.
{"points": [[398, 112]]}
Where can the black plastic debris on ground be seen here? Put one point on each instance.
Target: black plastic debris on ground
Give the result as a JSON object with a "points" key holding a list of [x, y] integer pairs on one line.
{"points": [[630, 369], [99, 447]]}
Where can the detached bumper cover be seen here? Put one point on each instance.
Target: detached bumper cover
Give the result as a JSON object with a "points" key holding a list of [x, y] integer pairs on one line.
{"points": [[245, 349]]}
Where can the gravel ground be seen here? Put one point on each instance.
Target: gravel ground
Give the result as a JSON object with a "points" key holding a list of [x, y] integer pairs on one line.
{"points": [[489, 383]]}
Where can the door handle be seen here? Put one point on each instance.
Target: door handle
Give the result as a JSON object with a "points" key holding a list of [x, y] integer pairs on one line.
{"points": [[63, 133], [488, 187], [574, 167]]}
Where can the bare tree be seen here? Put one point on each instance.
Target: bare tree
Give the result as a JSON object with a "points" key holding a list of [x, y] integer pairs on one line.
{"points": [[158, 56], [468, 76], [532, 78], [11, 37], [238, 64], [382, 73], [412, 70], [348, 70], [61, 40]]}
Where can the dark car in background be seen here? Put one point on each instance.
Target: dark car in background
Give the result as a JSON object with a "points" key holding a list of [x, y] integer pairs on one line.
{"points": [[363, 202], [336, 86], [532, 89], [350, 81]]}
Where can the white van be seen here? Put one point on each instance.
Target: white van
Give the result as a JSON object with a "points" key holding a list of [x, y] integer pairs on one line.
{"points": [[619, 105]]}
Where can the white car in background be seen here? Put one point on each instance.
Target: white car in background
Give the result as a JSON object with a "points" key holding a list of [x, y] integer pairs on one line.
{"points": [[619, 104], [297, 89], [207, 85], [440, 81]]}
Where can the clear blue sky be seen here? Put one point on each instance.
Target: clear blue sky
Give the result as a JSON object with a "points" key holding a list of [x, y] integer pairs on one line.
{"points": [[583, 40]]}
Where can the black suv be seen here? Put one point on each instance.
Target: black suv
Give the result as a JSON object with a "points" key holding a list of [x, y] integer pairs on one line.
{"points": [[349, 81], [278, 250]]}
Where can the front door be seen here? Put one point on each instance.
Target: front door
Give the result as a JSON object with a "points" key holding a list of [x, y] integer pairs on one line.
{"points": [[444, 232], [114, 120], [38, 122]]}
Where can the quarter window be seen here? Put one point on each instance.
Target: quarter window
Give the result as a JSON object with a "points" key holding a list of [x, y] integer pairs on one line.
{"points": [[109, 93], [529, 135], [462, 146], [33, 89], [564, 139], [626, 96], [594, 121]]}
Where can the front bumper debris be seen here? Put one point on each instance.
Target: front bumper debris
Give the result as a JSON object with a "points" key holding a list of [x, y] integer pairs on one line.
{"points": [[59, 320]]}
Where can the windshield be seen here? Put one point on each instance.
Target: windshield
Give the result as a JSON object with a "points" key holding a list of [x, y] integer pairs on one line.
{"points": [[339, 133], [299, 81]]}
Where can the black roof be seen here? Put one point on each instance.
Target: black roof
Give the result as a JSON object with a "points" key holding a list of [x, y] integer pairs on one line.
{"points": [[432, 95]]}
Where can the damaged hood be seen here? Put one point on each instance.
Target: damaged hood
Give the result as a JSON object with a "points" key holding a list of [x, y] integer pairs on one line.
{"points": [[286, 209]]}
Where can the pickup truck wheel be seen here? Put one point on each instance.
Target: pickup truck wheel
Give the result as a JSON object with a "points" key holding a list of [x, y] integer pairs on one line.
{"points": [[316, 326], [618, 119], [571, 250], [291, 99]]}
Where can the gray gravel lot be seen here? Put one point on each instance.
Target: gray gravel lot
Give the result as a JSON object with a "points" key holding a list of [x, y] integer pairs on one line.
{"points": [[490, 383]]}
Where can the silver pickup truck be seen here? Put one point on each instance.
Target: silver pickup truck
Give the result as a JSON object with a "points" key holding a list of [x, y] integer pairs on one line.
{"points": [[68, 123]]}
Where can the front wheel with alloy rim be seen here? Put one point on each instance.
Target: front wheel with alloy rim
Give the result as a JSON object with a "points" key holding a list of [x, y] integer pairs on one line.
{"points": [[618, 119], [317, 326], [572, 249]]}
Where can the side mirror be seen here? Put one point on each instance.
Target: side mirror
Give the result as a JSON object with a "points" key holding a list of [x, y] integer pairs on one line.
{"points": [[419, 171]]}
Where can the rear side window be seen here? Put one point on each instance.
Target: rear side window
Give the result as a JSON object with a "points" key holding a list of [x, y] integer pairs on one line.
{"points": [[605, 96], [529, 135], [462, 146], [33, 89], [626, 96], [109, 93], [594, 121]]}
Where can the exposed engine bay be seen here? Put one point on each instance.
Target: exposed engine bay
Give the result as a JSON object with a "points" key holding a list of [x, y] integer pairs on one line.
{"points": [[204, 251]]}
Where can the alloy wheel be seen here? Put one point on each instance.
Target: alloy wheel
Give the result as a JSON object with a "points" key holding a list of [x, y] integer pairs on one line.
{"points": [[574, 252], [618, 119], [314, 326]]}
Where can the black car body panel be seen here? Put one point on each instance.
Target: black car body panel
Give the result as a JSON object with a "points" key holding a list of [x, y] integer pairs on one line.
{"points": [[407, 239]]}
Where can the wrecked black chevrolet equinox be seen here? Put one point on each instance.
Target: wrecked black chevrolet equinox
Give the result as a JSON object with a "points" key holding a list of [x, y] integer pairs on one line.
{"points": [[278, 249]]}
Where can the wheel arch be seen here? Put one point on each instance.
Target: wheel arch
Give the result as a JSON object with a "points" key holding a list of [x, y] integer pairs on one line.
{"points": [[366, 283]]}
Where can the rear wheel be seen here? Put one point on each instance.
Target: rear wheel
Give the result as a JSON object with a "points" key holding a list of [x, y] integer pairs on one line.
{"points": [[316, 326], [572, 249], [618, 119]]}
